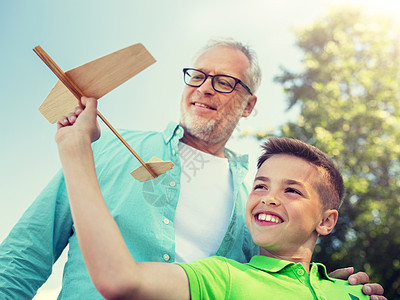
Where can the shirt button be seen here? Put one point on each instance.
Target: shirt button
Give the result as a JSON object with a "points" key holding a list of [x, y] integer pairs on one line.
{"points": [[172, 183], [300, 272], [166, 257], [166, 221], [173, 152]]}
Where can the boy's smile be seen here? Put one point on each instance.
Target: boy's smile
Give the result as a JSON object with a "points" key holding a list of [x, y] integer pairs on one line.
{"points": [[265, 218]]}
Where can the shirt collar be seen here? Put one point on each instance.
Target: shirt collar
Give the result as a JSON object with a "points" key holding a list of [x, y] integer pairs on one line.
{"points": [[171, 130], [322, 271], [174, 129], [270, 264], [266, 263]]}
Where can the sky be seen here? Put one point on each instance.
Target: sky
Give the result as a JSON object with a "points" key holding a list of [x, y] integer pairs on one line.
{"points": [[75, 32]]}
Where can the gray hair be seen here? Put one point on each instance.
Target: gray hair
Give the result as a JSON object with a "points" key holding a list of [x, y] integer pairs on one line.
{"points": [[253, 74]]}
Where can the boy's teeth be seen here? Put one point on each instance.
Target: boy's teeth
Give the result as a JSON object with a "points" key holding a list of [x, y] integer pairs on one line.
{"points": [[268, 218]]}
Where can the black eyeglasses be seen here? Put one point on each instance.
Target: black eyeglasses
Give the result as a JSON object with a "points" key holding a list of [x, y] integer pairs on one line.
{"points": [[220, 83]]}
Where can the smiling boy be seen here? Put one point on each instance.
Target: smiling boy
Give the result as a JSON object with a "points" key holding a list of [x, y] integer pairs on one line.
{"points": [[295, 197]]}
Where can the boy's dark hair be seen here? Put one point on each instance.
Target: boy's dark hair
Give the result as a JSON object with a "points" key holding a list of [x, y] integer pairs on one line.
{"points": [[330, 188]]}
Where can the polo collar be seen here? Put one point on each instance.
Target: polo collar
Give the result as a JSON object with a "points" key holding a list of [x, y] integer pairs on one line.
{"points": [[274, 265]]}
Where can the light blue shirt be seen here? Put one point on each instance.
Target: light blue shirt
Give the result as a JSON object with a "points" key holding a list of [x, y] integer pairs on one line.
{"points": [[144, 213]]}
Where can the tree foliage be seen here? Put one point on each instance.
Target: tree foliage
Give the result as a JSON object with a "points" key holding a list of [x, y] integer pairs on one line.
{"points": [[349, 99]]}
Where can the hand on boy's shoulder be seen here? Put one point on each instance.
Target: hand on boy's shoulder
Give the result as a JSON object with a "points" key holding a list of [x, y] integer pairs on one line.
{"points": [[375, 290]]}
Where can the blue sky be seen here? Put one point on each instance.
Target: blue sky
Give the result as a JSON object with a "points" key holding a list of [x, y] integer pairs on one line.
{"points": [[77, 31]]}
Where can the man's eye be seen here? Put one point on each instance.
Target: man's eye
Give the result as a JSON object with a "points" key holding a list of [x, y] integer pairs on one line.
{"points": [[198, 77], [225, 83]]}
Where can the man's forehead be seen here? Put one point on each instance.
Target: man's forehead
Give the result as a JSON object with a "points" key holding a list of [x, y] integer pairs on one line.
{"points": [[223, 60]]}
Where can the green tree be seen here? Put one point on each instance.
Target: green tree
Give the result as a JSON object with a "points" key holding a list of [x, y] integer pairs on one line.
{"points": [[349, 99]]}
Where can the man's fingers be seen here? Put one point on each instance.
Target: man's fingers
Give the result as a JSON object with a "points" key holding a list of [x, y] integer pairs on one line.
{"points": [[378, 298], [373, 289], [343, 273], [359, 278]]}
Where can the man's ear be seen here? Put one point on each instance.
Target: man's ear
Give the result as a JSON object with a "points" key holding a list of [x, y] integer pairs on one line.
{"points": [[328, 222], [251, 102]]}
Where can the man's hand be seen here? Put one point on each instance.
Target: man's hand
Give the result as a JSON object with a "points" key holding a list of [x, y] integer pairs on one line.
{"points": [[375, 290]]}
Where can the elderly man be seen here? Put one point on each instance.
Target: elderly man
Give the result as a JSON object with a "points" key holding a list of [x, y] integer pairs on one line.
{"points": [[200, 202]]}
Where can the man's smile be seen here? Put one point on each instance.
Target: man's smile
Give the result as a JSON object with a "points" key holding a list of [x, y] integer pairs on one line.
{"points": [[203, 105]]}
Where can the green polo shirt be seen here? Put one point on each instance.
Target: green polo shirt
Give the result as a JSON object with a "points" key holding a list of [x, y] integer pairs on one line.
{"points": [[264, 278]]}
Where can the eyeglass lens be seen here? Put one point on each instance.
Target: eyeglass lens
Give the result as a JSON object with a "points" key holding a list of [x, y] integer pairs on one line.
{"points": [[221, 83]]}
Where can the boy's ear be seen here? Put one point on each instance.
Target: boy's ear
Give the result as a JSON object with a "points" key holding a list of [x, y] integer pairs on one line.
{"points": [[330, 217]]}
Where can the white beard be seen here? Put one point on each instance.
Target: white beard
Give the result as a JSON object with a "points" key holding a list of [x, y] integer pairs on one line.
{"points": [[211, 131]]}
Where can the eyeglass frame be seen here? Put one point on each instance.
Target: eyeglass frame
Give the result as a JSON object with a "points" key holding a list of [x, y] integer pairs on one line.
{"points": [[212, 81]]}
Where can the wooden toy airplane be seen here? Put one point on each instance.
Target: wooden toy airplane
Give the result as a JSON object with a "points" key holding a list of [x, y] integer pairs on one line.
{"points": [[95, 79]]}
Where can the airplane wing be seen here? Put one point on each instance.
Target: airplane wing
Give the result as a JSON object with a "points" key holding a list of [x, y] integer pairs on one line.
{"points": [[158, 166], [95, 79]]}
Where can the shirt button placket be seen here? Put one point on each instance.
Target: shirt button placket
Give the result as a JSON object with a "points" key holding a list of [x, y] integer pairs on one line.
{"points": [[300, 274]]}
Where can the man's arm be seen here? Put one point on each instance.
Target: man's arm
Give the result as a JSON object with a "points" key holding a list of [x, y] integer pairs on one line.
{"points": [[35, 243], [375, 290], [112, 269]]}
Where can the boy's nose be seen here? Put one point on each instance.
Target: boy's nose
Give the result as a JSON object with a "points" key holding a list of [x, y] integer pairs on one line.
{"points": [[270, 200]]}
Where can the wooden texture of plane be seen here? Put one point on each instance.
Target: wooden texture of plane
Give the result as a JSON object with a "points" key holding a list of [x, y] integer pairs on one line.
{"points": [[95, 79]]}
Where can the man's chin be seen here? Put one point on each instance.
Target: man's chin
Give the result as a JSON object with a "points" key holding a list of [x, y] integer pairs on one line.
{"points": [[199, 125], [200, 131]]}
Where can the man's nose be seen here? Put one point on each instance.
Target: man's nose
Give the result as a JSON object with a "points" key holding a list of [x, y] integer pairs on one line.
{"points": [[206, 87]]}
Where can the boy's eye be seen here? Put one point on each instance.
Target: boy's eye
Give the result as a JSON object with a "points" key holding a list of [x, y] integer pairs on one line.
{"points": [[260, 187], [292, 190]]}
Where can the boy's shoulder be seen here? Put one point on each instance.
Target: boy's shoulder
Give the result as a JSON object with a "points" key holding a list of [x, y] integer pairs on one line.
{"points": [[233, 280], [333, 287]]}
